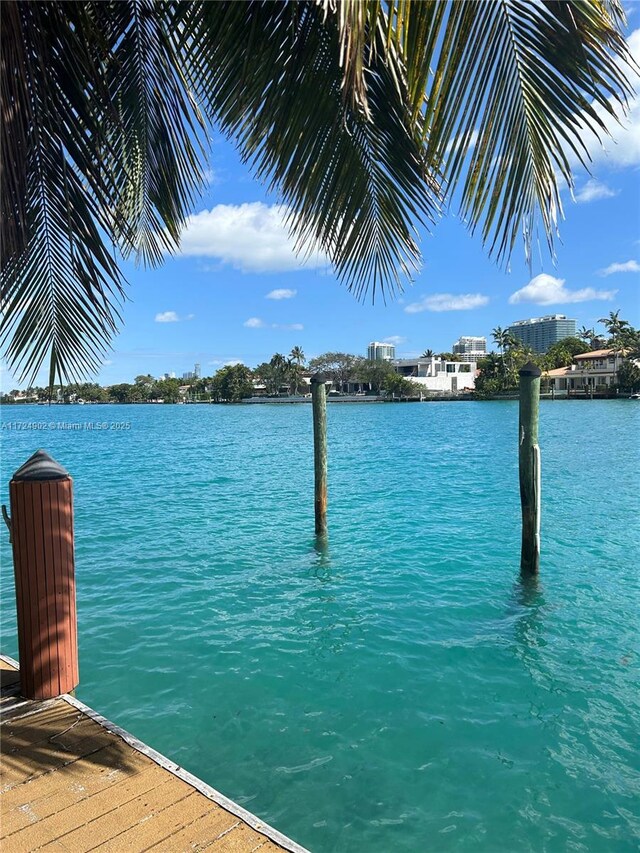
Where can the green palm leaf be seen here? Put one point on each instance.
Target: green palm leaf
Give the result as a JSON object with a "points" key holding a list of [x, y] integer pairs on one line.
{"points": [[100, 142], [356, 184]]}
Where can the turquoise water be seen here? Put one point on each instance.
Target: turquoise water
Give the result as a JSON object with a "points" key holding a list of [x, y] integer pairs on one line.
{"points": [[402, 691]]}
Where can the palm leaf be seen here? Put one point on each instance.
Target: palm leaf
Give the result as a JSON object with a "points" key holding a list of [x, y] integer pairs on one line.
{"points": [[102, 143], [354, 181], [504, 91], [525, 79]]}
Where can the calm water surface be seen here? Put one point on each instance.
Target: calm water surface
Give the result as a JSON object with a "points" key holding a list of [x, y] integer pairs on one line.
{"points": [[402, 691]]}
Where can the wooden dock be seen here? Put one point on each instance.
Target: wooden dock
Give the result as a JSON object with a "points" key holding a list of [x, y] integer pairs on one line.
{"points": [[71, 781]]}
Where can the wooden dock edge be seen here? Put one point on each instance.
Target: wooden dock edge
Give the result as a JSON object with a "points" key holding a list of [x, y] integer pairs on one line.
{"points": [[164, 762]]}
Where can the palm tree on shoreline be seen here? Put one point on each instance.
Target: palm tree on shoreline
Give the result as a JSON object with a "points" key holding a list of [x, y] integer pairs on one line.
{"points": [[587, 335], [428, 353], [364, 117], [297, 355]]}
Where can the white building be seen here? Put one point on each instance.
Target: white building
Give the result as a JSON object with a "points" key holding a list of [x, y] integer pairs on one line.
{"points": [[437, 375], [590, 371], [470, 348], [540, 333], [377, 351]]}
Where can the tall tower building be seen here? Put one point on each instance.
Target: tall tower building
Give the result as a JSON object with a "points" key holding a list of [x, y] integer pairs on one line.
{"points": [[470, 348], [540, 333], [377, 351]]}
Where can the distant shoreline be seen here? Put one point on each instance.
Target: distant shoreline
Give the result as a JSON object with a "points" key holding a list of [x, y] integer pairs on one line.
{"points": [[292, 401]]}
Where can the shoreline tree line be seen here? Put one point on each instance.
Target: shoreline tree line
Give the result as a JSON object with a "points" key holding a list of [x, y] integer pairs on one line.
{"points": [[280, 376], [284, 375]]}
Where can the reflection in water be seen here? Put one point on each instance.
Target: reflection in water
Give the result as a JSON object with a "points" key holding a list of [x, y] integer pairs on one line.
{"points": [[328, 616], [321, 566], [529, 604], [529, 632]]}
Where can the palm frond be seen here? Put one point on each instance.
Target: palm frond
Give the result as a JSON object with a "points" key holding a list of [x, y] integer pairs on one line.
{"points": [[356, 184], [101, 148], [157, 139], [504, 91], [524, 81]]}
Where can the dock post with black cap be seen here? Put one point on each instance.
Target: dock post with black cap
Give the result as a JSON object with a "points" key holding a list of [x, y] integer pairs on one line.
{"points": [[529, 468], [41, 500], [319, 406]]}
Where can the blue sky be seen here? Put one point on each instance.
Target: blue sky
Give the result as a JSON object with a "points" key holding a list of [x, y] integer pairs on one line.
{"points": [[238, 293]]}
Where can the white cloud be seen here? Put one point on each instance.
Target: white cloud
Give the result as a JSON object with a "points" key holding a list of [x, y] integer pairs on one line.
{"points": [[251, 237], [172, 317], [627, 266], [281, 293], [257, 323], [225, 362], [546, 290], [448, 302], [593, 191], [396, 340]]}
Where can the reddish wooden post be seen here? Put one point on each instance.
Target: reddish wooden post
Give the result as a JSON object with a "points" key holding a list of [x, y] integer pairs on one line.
{"points": [[41, 493]]}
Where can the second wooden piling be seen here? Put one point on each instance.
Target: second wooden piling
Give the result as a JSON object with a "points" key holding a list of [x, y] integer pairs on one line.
{"points": [[319, 406], [529, 468]]}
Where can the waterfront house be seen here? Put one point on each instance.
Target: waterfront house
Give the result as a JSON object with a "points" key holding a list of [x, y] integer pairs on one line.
{"points": [[437, 375], [590, 372]]}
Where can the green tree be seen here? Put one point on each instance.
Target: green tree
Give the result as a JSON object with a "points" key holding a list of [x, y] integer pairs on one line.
{"points": [[267, 375], [281, 371], [399, 386], [389, 102], [428, 353], [498, 374], [590, 337], [167, 390], [628, 376], [295, 374], [340, 367], [562, 353], [120, 393], [232, 383], [379, 375], [297, 355], [616, 328]]}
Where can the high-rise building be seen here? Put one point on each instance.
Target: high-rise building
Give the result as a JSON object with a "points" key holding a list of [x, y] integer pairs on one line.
{"points": [[539, 333], [192, 374], [470, 348], [377, 351]]}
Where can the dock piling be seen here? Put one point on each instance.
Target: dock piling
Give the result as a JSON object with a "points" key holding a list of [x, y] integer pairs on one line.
{"points": [[319, 406], [41, 495], [529, 468]]}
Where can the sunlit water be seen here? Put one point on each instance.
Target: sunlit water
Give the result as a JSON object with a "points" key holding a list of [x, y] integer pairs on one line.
{"points": [[402, 691]]}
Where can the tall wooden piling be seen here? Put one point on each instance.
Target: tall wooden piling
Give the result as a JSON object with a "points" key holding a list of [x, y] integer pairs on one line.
{"points": [[529, 468], [41, 494], [319, 406]]}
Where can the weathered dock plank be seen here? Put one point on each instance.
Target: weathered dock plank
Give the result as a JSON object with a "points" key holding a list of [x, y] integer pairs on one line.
{"points": [[71, 781]]}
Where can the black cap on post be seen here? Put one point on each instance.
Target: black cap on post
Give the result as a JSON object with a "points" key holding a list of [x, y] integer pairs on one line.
{"points": [[318, 378], [40, 466], [530, 369]]}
